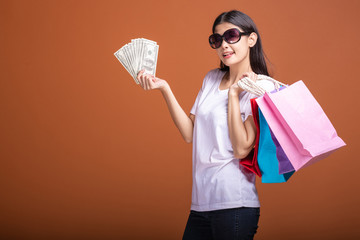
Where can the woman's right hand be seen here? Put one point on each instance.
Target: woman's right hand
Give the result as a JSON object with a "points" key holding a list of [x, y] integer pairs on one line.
{"points": [[149, 82], [182, 121]]}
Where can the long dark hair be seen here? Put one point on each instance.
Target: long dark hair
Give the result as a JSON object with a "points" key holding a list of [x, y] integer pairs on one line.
{"points": [[243, 21]]}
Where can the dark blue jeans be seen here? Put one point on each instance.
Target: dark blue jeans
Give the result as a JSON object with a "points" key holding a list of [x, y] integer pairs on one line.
{"points": [[227, 224]]}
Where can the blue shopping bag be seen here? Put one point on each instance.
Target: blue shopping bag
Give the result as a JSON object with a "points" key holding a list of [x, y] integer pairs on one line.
{"points": [[267, 155]]}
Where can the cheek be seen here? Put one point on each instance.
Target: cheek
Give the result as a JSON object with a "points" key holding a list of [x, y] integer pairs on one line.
{"points": [[219, 53], [241, 49]]}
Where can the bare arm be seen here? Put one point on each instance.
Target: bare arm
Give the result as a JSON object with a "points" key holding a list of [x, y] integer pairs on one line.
{"points": [[242, 134], [183, 122]]}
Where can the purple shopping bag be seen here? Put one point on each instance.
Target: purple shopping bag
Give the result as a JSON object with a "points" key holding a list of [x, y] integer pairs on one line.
{"points": [[285, 165], [300, 125]]}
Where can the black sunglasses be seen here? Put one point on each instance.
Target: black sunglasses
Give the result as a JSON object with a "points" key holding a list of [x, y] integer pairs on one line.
{"points": [[233, 35]]}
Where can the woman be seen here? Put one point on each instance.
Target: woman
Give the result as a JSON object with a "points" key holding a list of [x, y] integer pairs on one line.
{"points": [[225, 202]]}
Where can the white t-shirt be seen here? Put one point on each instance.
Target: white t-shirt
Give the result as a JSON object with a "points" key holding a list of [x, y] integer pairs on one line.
{"points": [[219, 181]]}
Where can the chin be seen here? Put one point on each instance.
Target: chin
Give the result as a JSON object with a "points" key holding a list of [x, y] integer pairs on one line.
{"points": [[229, 64]]}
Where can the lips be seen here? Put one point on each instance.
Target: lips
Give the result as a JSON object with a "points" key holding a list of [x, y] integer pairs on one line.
{"points": [[227, 54]]}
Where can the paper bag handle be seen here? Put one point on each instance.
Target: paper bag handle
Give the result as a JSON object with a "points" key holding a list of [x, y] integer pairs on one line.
{"points": [[253, 87]]}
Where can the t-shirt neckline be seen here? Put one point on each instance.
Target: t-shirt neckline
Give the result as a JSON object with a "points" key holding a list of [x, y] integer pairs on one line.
{"points": [[222, 74]]}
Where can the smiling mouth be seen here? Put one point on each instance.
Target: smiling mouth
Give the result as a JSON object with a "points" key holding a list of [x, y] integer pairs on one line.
{"points": [[227, 55]]}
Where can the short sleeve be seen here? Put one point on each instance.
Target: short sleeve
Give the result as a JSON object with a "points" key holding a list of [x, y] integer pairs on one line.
{"points": [[194, 107], [208, 76]]}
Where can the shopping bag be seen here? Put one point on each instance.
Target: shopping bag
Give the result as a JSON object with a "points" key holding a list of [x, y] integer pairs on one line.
{"points": [[284, 162], [250, 162], [260, 87], [299, 124], [267, 156]]}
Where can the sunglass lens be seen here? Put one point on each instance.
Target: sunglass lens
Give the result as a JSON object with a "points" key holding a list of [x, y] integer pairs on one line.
{"points": [[215, 40], [232, 35]]}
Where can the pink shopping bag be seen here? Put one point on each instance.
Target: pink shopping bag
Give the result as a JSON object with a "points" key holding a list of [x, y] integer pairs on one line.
{"points": [[299, 124]]}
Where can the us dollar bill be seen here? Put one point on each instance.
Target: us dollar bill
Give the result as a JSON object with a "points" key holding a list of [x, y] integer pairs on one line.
{"points": [[121, 56], [149, 58], [139, 54]]}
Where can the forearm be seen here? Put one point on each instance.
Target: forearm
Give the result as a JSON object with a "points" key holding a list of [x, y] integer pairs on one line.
{"points": [[180, 118], [241, 134]]}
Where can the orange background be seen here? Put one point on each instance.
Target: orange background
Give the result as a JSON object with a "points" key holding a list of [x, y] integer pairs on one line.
{"points": [[87, 154]]}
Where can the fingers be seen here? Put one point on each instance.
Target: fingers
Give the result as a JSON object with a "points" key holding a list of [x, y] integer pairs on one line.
{"points": [[251, 75], [146, 80], [254, 76], [140, 73]]}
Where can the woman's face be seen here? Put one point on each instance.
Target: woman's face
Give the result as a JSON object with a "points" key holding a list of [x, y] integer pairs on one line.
{"points": [[236, 53]]}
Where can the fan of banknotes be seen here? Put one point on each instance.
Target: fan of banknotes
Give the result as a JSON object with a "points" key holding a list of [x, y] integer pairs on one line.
{"points": [[139, 54]]}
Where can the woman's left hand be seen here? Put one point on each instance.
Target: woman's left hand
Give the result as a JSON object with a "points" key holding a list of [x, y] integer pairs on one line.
{"points": [[235, 89]]}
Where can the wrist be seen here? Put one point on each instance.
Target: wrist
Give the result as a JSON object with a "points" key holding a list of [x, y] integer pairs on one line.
{"points": [[164, 88], [234, 92]]}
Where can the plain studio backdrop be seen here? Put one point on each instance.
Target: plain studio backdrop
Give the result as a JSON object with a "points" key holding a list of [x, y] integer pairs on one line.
{"points": [[87, 154]]}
